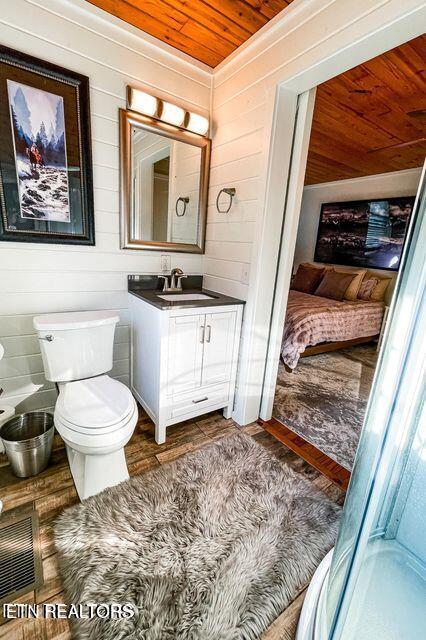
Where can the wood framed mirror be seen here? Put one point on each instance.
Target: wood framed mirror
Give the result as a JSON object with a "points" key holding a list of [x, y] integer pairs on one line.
{"points": [[164, 175]]}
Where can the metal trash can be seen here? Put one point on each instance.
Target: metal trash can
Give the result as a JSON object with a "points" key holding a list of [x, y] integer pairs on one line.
{"points": [[28, 440]]}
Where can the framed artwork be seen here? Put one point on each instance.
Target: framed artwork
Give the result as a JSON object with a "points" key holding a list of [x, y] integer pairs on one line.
{"points": [[364, 233], [46, 185]]}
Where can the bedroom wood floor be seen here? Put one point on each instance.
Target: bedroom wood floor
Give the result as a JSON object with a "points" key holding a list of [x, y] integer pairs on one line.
{"points": [[53, 490]]}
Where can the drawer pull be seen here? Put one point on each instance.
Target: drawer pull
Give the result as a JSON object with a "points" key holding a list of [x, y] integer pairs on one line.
{"points": [[209, 333], [202, 331], [200, 400]]}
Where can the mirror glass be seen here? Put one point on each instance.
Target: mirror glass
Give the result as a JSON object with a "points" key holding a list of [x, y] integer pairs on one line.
{"points": [[165, 199]]}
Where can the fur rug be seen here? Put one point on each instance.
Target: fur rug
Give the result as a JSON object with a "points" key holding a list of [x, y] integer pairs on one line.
{"points": [[213, 546], [325, 398]]}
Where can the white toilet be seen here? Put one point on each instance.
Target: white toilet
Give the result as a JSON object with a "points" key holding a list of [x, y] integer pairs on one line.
{"points": [[95, 414]]}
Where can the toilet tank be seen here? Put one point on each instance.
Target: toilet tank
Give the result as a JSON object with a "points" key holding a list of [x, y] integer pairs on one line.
{"points": [[76, 345]]}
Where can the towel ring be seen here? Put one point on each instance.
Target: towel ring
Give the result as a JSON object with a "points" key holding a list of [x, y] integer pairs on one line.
{"points": [[230, 191], [185, 204]]}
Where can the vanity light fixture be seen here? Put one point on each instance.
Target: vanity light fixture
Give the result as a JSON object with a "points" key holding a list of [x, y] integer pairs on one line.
{"points": [[198, 124], [143, 102], [168, 112], [172, 114]]}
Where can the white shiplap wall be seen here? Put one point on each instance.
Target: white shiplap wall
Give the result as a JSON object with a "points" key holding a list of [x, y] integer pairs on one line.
{"points": [[37, 278], [307, 35]]}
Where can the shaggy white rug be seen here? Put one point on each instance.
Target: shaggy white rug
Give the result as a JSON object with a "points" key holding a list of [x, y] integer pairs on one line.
{"points": [[213, 546]]}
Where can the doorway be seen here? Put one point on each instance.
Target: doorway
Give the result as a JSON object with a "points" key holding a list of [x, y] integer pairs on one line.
{"points": [[363, 164]]}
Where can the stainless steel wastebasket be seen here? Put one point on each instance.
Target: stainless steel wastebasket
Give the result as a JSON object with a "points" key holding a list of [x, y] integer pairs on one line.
{"points": [[27, 440]]}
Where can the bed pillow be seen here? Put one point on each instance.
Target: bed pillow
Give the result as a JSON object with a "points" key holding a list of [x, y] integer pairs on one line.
{"points": [[378, 293], [311, 265], [307, 278], [351, 292], [334, 284], [374, 287], [367, 286]]}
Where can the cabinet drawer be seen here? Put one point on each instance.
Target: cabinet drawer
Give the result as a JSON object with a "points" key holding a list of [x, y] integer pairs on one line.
{"points": [[187, 403]]}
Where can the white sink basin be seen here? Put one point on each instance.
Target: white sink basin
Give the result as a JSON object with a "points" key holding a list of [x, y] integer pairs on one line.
{"points": [[175, 297]]}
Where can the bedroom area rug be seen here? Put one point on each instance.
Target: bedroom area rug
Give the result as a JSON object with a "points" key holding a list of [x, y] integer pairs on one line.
{"points": [[325, 398], [212, 546]]}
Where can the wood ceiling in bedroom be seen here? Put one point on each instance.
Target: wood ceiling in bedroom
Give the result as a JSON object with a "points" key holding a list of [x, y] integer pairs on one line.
{"points": [[208, 30], [371, 119]]}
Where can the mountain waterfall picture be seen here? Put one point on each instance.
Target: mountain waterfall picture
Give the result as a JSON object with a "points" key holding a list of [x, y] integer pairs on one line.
{"points": [[46, 174], [38, 125]]}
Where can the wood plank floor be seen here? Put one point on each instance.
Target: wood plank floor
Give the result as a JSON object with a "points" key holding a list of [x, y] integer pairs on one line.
{"points": [[53, 490]]}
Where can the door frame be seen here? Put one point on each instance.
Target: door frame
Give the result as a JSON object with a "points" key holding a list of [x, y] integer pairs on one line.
{"points": [[290, 224], [265, 311]]}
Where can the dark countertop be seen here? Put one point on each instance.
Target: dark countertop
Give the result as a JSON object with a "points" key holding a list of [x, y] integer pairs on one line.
{"points": [[148, 288]]}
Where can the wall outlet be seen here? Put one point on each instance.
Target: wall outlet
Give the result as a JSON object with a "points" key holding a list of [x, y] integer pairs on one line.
{"points": [[245, 273], [165, 262]]}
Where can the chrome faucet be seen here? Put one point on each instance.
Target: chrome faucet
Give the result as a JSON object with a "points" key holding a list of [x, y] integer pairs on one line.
{"points": [[175, 282], [176, 279]]}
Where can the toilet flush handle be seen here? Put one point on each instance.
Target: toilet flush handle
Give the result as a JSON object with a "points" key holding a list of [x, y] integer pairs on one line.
{"points": [[49, 338]]}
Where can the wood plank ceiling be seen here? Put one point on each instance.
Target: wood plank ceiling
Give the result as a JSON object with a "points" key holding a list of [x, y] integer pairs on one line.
{"points": [[371, 119], [208, 30]]}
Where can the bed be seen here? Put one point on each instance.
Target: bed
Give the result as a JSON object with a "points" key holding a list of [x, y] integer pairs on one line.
{"points": [[314, 325]]}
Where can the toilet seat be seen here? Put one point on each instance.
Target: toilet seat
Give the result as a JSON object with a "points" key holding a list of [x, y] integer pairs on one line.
{"points": [[94, 406], [96, 443], [90, 431], [75, 431], [95, 415]]}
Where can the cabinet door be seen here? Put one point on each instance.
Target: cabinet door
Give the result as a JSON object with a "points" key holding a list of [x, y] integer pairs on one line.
{"points": [[185, 349], [218, 347]]}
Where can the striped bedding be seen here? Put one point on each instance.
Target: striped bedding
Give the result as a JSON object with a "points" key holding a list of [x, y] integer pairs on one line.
{"points": [[311, 320]]}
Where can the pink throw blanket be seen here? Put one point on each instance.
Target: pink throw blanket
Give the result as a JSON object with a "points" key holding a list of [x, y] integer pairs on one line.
{"points": [[311, 320]]}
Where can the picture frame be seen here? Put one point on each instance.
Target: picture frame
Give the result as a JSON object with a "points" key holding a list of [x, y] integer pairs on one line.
{"points": [[364, 233], [46, 182]]}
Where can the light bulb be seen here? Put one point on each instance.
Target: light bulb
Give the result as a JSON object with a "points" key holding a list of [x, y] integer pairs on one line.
{"points": [[198, 124], [143, 102], [172, 114]]}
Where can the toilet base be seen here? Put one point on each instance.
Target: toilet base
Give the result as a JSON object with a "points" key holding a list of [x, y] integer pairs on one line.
{"points": [[94, 473]]}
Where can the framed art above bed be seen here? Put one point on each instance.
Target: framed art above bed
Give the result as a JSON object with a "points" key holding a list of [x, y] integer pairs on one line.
{"points": [[364, 233]]}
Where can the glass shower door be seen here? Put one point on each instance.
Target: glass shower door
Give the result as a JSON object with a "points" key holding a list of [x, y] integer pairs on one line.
{"points": [[377, 581]]}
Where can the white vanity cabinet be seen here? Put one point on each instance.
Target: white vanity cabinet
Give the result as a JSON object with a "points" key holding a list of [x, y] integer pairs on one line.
{"points": [[184, 361]]}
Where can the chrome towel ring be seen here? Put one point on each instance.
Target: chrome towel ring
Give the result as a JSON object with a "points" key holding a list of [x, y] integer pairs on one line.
{"points": [[230, 191], [185, 204]]}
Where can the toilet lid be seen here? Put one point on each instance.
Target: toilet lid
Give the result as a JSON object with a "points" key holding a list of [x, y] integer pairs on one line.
{"points": [[65, 426], [95, 402]]}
